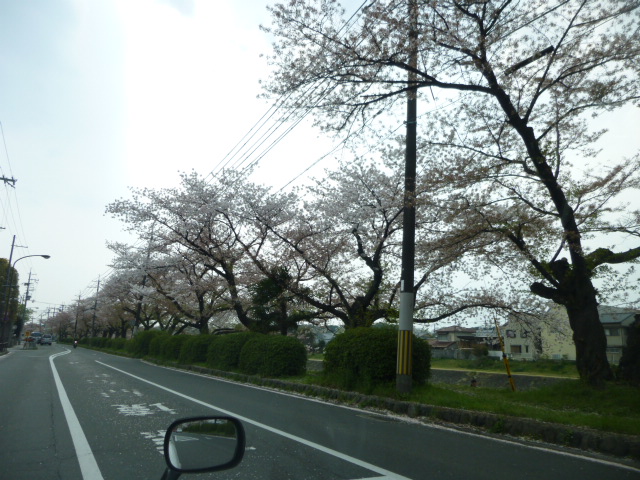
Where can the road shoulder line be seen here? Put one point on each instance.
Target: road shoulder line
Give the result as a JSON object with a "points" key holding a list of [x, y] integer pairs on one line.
{"points": [[88, 465]]}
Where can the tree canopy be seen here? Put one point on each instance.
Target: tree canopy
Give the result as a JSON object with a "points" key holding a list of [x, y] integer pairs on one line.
{"points": [[515, 145]]}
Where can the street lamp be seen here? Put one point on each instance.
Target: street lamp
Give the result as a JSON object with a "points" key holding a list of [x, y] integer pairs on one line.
{"points": [[7, 289]]}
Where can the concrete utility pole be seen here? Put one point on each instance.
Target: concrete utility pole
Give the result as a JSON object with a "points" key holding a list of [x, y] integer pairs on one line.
{"points": [[4, 337], [75, 328], [24, 308], [95, 307], [404, 367]]}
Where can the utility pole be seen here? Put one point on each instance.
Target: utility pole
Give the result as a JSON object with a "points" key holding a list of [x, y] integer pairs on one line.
{"points": [[95, 307], [75, 328], [5, 303], [24, 309], [404, 367]]}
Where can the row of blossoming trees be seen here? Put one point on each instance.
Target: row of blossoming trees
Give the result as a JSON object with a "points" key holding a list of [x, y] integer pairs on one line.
{"points": [[514, 197], [209, 251], [225, 251]]}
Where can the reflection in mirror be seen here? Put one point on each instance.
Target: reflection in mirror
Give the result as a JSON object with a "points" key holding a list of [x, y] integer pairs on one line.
{"points": [[202, 444]]}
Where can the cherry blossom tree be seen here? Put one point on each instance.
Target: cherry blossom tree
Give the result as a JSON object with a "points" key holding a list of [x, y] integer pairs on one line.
{"points": [[523, 79], [197, 224], [334, 238], [139, 305]]}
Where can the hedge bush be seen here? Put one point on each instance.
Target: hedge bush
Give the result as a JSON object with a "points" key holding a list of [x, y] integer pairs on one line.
{"points": [[117, 343], [366, 357], [195, 348], [171, 346], [138, 346], [155, 346], [224, 351], [273, 356]]}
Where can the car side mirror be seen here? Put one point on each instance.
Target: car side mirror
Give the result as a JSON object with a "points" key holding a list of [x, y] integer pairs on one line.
{"points": [[204, 444]]}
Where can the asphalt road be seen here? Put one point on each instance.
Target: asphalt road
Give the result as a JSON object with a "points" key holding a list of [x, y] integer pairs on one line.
{"points": [[70, 414]]}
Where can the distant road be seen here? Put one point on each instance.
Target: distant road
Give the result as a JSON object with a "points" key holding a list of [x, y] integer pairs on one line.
{"points": [[123, 406]]}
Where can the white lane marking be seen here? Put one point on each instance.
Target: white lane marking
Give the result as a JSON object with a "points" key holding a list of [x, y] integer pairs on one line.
{"points": [[385, 473], [157, 438], [88, 465], [415, 421], [142, 409], [135, 410], [160, 406]]}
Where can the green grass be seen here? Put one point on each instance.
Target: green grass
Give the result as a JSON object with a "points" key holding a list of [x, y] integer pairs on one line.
{"points": [[616, 408]]}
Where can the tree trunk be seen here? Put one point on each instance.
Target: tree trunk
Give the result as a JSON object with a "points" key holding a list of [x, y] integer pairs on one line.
{"points": [[590, 340]]}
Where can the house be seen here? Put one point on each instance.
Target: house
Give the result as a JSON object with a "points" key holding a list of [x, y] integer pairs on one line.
{"points": [[616, 322], [453, 342], [464, 337], [551, 337]]}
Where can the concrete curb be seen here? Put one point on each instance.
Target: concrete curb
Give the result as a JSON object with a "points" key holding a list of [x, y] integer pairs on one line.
{"points": [[618, 445]]}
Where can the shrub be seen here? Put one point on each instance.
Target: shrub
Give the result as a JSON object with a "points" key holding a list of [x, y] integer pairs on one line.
{"points": [[194, 350], [366, 357], [117, 343], [94, 341], [224, 351], [171, 346], [156, 343], [480, 350], [273, 356], [139, 345]]}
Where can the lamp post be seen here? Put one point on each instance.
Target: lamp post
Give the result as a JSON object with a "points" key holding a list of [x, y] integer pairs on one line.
{"points": [[7, 290]]}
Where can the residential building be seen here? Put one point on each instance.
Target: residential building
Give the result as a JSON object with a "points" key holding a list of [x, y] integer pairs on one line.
{"points": [[551, 336], [453, 342], [616, 323]]}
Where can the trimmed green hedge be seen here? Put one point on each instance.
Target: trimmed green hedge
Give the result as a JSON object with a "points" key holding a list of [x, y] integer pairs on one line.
{"points": [[195, 348], [224, 351], [139, 345], [366, 357], [248, 352], [171, 346], [117, 343], [273, 356]]}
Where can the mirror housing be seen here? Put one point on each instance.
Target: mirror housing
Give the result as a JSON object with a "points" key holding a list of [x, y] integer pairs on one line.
{"points": [[204, 444]]}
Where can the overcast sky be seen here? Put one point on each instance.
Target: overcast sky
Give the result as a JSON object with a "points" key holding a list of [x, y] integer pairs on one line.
{"points": [[100, 95]]}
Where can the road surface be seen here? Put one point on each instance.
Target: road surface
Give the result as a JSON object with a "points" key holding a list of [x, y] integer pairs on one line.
{"points": [[76, 414]]}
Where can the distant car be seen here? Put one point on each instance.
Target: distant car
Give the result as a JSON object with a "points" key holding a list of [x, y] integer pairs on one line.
{"points": [[36, 337], [46, 339]]}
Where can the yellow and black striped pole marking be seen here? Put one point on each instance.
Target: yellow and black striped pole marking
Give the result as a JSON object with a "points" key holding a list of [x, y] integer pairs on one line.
{"points": [[405, 350]]}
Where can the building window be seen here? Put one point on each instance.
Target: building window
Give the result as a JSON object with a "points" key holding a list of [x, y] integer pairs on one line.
{"points": [[516, 348], [524, 334], [511, 334], [612, 332]]}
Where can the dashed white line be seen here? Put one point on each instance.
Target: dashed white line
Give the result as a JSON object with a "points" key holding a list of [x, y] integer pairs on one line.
{"points": [[88, 465], [386, 474]]}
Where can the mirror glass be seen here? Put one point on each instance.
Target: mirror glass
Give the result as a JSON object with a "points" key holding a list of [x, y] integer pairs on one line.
{"points": [[202, 444]]}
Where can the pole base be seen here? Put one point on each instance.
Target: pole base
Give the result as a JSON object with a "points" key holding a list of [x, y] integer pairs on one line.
{"points": [[404, 383]]}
